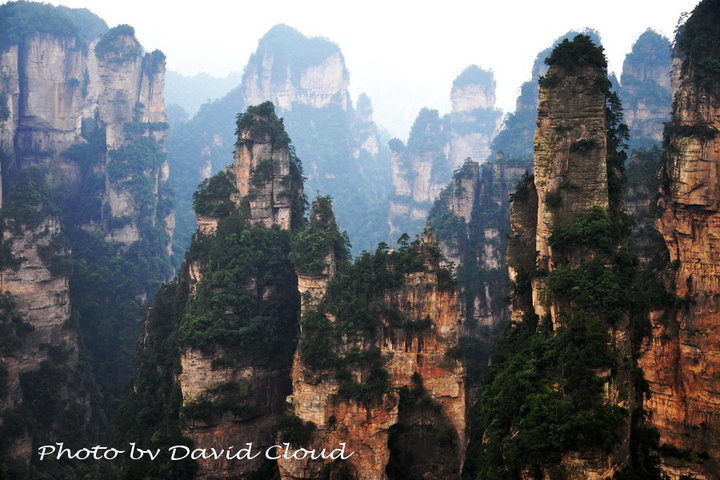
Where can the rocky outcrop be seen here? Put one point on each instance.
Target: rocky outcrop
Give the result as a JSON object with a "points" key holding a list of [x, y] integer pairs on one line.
{"points": [[409, 347], [681, 355], [474, 120], [420, 170], [366, 138], [259, 394], [81, 110], [56, 88], [40, 298], [265, 174], [646, 93], [319, 79], [261, 188], [575, 168], [570, 168], [437, 145], [307, 80], [515, 139], [470, 222]]}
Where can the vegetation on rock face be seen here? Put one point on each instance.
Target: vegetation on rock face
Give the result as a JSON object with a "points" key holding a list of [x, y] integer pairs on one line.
{"points": [[293, 430], [110, 323], [62, 400], [13, 328], [487, 231], [580, 52], [641, 89], [212, 198], [474, 75], [319, 238], [651, 48], [515, 139], [4, 109], [357, 299], [260, 124], [20, 20], [149, 414], [112, 45], [424, 439], [244, 310], [247, 302], [544, 393], [134, 158], [330, 140], [29, 201], [544, 383], [591, 230], [427, 142], [699, 41], [232, 396], [323, 138]]}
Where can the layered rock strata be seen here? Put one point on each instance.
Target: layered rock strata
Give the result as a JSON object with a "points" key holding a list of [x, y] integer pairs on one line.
{"points": [[573, 175], [307, 80], [681, 357], [75, 99], [57, 89], [437, 145], [380, 428], [263, 186]]}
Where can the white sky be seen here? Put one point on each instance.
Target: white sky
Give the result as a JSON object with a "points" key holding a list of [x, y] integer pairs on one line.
{"points": [[403, 54]]}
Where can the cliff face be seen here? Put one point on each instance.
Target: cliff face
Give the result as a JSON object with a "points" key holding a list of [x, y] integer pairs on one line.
{"points": [[437, 145], [577, 176], [392, 391], [570, 168], [646, 93], [515, 139], [419, 172], [278, 76], [474, 120], [55, 88], [83, 170], [307, 80], [37, 338], [229, 394], [681, 356], [470, 220]]}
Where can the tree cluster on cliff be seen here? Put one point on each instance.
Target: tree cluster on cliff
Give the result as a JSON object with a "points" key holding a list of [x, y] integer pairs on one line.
{"points": [[543, 396]]}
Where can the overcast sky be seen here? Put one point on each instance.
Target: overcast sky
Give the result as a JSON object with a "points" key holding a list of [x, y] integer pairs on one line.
{"points": [[404, 54]]}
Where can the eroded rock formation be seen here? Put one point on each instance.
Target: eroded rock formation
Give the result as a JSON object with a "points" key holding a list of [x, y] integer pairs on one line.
{"points": [[470, 220], [60, 91], [437, 145], [393, 391], [276, 75], [229, 395], [681, 356], [576, 177], [37, 338], [81, 156], [646, 93], [474, 119], [420, 171], [307, 80]]}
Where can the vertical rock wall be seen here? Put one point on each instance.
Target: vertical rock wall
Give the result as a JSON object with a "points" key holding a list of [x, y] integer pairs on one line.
{"points": [[67, 108], [681, 357], [265, 188], [417, 358]]}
